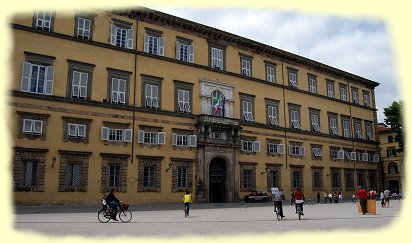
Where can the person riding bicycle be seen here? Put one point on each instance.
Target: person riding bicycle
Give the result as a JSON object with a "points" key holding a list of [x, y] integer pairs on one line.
{"points": [[299, 199], [187, 199], [278, 197], [113, 203]]}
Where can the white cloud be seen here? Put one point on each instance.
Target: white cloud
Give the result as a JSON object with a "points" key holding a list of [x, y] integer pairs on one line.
{"points": [[358, 46]]}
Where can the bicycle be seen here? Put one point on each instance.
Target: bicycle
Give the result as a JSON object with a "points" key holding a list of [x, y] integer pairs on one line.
{"points": [[299, 209], [277, 211], [105, 214]]}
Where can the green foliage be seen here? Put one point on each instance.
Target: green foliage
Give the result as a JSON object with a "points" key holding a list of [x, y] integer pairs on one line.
{"points": [[394, 119]]}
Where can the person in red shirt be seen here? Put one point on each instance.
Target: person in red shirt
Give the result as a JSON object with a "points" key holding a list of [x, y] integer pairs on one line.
{"points": [[299, 199], [362, 196]]}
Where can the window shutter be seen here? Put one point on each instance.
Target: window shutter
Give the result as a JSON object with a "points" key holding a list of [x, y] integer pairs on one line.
{"points": [[72, 129], [81, 130], [49, 80], [174, 142], [177, 50], [376, 158], [365, 156], [83, 85], [242, 145], [281, 148], [130, 34], [128, 135], [161, 138], [192, 141], [25, 77], [140, 137], [113, 35], [155, 95], [115, 90], [105, 133], [302, 150], [75, 83], [256, 146], [353, 155], [122, 91], [27, 126], [341, 154], [290, 150], [38, 127], [146, 42], [161, 46], [191, 53]]}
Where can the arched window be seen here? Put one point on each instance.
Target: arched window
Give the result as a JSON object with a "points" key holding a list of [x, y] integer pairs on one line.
{"points": [[218, 103], [392, 168]]}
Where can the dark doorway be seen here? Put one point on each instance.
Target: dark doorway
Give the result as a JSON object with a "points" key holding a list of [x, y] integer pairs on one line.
{"points": [[394, 186], [217, 181]]}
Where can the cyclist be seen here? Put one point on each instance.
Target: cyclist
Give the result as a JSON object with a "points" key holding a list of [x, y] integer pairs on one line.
{"points": [[278, 197], [187, 199], [299, 199], [113, 203]]}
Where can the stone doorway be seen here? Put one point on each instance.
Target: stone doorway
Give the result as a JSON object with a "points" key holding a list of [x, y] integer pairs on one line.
{"points": [[217, 181]]}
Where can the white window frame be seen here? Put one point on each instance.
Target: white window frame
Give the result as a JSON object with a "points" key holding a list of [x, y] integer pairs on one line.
{"points": [[365, 156], [126, 36], [182, 140], [154, 44], [31, 126], [158, 138], [152, 96], [369, 132], [185, 52], [317, 152], [217, 58], [293, 79], [331, 89], [346, 128], [297, 150], [79, 84], [355, 96], [295, 119], [333, 125], [334, 154], [246, 67], [28, 79], [366, 100], [315, 122], [118, 92], [43, 20], [273, 115], [344, 93], [341, 154], [312, 85], [119, 134], [75, 130], [82, 30], [250, 146], [270, 74], [358, 130], [276, 149], [183, 100], [247, 107]]}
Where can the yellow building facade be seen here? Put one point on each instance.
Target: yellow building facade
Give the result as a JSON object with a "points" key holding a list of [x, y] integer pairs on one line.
{"points": [[155, 105]]}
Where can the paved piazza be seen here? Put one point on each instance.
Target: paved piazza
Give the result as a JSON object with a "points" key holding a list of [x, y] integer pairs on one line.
{"points": [[207, 220]]}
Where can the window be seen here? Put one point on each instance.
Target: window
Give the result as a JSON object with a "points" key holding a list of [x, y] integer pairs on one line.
{"points": [[273, 115], [315, 120], [355, 96], [37, 74], [343, 92], [390, 139], [76, 129], [296, 177], [312, 84], [361, 178], [366, 100], [349, 180], [182, 140], [182, 173], [218, 104], [369, 131], [247, 103], [29, 174], [391, 152], [274, 178], [317, 179], [333, 124], [183, 96], [358, 129], [392, 168], [84, 26], [185, 50], [247, 177], [154, 42], [316, 152], [217, 56], [73, 171], [114, 172], [121, 34], [335, 177], [118, 87], [116, 134], [151, 92], [32, 125], [336, 153], [250, 146], [346, 127], [151, 136], [149, 179], [246, 65], [293, 78], [330, 88], [294, 111], [43, 20], [271, 73], [296, 150], [182, 177], [80, 77], [275, 148]]}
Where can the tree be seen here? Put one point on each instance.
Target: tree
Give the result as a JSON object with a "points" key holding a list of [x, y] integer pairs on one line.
{"points": [[394, 119]]}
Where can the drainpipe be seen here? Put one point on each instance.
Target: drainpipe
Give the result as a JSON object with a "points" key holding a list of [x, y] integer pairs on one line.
{"points": [[134, 88], [284, 110]]}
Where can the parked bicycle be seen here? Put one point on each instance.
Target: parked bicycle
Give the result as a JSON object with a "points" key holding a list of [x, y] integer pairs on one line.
{"points": [[106, 212]]}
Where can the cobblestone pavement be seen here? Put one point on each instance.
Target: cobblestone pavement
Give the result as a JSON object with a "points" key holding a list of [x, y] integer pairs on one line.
{"points": [[205, 220]]}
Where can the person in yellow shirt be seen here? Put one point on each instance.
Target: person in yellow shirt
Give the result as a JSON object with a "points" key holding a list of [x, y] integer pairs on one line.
{"points": [[187, 199]]}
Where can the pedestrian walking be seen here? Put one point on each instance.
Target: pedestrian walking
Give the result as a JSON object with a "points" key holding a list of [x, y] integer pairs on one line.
{"points": [[382, 199], [292, 198], [362, 196], [318, 197], [325, 196], [386, 195], [330, 197]]}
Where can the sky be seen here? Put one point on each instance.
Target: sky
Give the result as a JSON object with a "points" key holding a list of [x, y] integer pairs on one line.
{"points": [[360, 46]]}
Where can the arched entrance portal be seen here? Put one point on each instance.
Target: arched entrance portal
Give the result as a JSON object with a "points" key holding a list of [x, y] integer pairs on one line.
{"points": [[217, 181]]}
